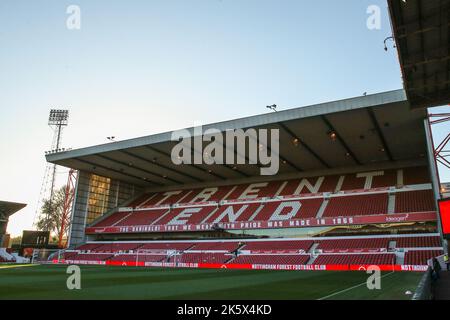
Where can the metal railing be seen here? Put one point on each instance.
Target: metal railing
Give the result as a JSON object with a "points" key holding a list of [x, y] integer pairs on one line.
{"points": [[424, 289]]}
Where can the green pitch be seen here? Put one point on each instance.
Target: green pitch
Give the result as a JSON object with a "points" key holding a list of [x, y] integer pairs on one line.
{"points": [[99, 282]]}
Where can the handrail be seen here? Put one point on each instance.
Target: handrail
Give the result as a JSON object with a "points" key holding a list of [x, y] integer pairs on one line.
{"points": [[423, 290]]}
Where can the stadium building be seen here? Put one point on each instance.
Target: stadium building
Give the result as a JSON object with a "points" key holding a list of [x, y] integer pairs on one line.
{"points": [[356, 186], [357, 183], [7, 209]]}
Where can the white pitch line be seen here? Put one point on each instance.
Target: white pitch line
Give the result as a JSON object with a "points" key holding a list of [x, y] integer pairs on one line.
{"points": [[351, 288]]}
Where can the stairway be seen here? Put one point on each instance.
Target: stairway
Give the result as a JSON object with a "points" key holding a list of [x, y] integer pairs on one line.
{"points": [[391, 203]]}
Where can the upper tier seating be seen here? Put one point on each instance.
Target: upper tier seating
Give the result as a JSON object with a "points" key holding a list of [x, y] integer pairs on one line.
{"points": [[357, 205], [308, 209], [141, 217], [249, 206], [414, 201], [354, 181], [197, 215], [242, 212], [112, 219], [416, 175]]}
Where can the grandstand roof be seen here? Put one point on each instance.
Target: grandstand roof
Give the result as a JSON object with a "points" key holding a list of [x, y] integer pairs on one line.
{"points": [[422, 32], [9, 208], [369, 129]]}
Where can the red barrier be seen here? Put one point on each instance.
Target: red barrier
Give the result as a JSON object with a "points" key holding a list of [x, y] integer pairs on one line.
{"points": [[292, 223], [302, 267]]}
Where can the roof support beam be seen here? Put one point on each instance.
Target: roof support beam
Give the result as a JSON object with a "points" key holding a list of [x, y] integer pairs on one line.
{"points": [[225, 165], [380, 133], [117, 171], [433, 55], [194, 166], [283, 159], [161, 165], [137, 168], [340, 139], [304, 145]]}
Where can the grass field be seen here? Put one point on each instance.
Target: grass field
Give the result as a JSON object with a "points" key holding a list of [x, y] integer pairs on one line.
{"points": [[100, 282]]}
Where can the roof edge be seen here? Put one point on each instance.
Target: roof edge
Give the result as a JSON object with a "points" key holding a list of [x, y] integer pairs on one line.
{"points": [[371, 100]]}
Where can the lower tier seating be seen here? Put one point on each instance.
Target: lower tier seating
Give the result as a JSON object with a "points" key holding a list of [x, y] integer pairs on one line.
{"points": [[283, 259], [275, 251], [201, 258], [88, 256], [280, 246], [420, 257], [139, 258], [381, 259], [414, 242], [375, 243]]}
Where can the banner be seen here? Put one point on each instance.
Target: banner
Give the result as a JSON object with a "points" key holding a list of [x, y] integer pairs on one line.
{"points": [[300, 267], [291, 223]]}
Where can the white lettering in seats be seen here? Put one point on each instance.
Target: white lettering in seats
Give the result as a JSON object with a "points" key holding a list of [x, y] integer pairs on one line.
{"points": [[312, 188], [167, 195], [180, 219], [252, 190], [279, 214], [230, 213], [205, 194], [369, 177]]}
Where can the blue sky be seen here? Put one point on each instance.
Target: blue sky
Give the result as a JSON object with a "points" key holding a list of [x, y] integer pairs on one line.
{"points": [[142, 67]]}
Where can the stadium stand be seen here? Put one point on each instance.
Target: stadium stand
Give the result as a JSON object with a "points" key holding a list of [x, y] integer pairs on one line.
{"points": [[414, 201], [375, 243], [285, 246], [364, 259], [357, 196], [5, 256], [417, 242], [201, 257], [280, 259], [420, 257], [357, 205], [316, 251], [343, 194], [333, 196]]}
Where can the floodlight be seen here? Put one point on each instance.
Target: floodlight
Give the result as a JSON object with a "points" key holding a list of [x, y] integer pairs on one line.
{"points": [[58, 117]]}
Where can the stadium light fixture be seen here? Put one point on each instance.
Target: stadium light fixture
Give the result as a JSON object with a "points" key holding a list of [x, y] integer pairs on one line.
{"points": [[58, 117], [332, 135], [385, 40], [273, 107]]}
